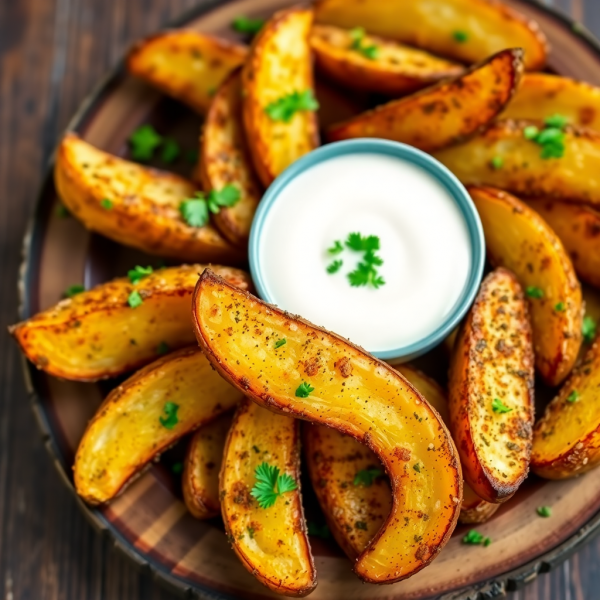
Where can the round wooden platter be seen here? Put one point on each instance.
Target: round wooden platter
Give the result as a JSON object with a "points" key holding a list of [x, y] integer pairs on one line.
{"points": [[149, 521]]}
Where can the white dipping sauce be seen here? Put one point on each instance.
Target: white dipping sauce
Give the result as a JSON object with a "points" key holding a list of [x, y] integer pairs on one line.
{"points": [[424, 243]]}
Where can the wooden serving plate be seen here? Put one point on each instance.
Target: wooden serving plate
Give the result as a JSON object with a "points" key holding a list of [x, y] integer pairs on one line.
{"points": [[149, 521]]}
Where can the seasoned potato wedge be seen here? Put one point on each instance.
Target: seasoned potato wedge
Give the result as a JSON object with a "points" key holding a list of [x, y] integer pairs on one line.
{"points": [[491, 389], [566, 440], [203, 458], [465, 30], [395, 70], [520, 240], [542, 95], [144, 416], [321, 377], [444, 114], [474, 509], [96, 334], [144, 204], [185, 64], [271, 542], [574, 177], [225, 160], [279, 65]]}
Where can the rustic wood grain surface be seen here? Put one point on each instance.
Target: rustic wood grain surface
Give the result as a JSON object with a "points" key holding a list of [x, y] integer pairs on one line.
{"points": [[52, 53]]}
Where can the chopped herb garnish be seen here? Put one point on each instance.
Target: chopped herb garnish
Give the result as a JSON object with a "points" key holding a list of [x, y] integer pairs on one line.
{"points": [[62, 211], [194, 211], [335, 266], [304, 390], [361, 525], [336, 248], [460, 36], [244, 24], [365, 274], [144, 141], [361, 243], [366, 271], [227, 196], [250, 532], [321, 531], [134, 300], [366, 477], [106, 204], [551, 138], [270, 484], [286, 107], [73, 290], [531, 132], [138, 273], [170, 150], [559, 307], [358, 34], [417, 467], [534, 292], [163, 348], [177, 468], [280, 343], [170, 409], [499, 407], [559, 121], [497, 162], [588, 329], [544, 511], [573, 397], [473, 537]]}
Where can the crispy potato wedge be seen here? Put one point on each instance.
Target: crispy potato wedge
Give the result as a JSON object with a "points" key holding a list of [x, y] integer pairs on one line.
{"points": [[225, 159], [444, 114], [464, 30], [72, 340], [574, 177], [474, 509], [145, 204], [566, 440], [133, 425], [396, 70], [271, 542], [542, 95], [396, 422], [279, 64], [185, 64], [491, 389], [203, 459], [520, 240]]}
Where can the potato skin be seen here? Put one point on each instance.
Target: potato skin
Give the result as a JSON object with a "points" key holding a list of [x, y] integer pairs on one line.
{"points": [[279, 64], [493, 358], [397, 69], [185, 64], [258, 436], [475, 510], [228, 321], [445, 114]]}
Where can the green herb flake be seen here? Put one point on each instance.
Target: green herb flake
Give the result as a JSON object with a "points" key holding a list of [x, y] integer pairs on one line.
{"points": [[499, 407], [170, 420], [497, 162], [321, 531], [170, 150], [251, 531], [417, 467], [280, 343], [359, 243], [227, 196], [134, 300], [573, 397], [106, 204], [163, 348], [534, 292], [473, 537], [194, 211], [138, 273], [544, 511], [559, 121], [357, 35], [177, 468], [73, 290], [460, 36], [286, 107], [559, 307], [531, 132], [270, 484], [366, 477], [551, 138], [143, 142], [337, 248], [335, 266], [62, 211], [588, 329], [246, 25], [361, 525], [304, 390]]}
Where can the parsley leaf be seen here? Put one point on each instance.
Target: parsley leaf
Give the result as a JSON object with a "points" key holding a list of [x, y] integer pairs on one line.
{"points": [[359, 243], [106, 204], [321, 531], [144, 141], [544, 511], [286, 107], [138, 273], [559, 307], [134, 300], [170, 409], [473, 537], [194, 211], [573, 397], [497, 162], [460, 36], [244, 24], [417, 467], [270, 484], [304, 390], [170, 150], [280, 343], [335, 266], [336, 248], [366, 477], [534, 292], [163, 348], [73, 290], [365, 274], [357, 35], [558, 121], [588, 329], [499, 407], [551, 138], [227, 196]]}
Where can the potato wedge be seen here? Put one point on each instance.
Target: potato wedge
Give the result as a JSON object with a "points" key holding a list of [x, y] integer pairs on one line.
{"points": [[474, 509], [225, 160], [542, 95], [491, 389], [96, 334], [144, 416], [396, 422], [444, 114], [520, 240], [464, 30], [203, 459], [566, 440], [574, 177], [144, 211], [271, 542], [185, 64], [396, 70], [279, 65]]}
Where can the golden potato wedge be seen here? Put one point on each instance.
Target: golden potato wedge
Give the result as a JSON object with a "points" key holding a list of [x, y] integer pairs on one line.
{"points": [[185, 64], [520, 240], [279, 65], [270, 541], [574, 177], [144, 416], [203, 459], [464, 30], [144, 203], [474, 509], [542, 95], [444, 114], [491, 389], [225, 160], [321, 377], [97, 334], [566, 440], [395, 70]]}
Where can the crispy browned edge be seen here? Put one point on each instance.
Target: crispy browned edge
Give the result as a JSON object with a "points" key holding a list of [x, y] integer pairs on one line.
{"points": [[473, 516], [244, 387]]}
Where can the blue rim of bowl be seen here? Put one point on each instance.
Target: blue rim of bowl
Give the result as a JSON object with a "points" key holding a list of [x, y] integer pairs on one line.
{"points": [[433, 168]]}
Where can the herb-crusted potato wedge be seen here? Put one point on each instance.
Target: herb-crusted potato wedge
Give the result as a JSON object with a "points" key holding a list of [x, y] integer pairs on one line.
{"points": [[144, 416], [185, 64], [281, 125], [391, 68], [491, 389], [261, 502], [97, 334], [474, 509], [200, 479], [225, 160], [566, 440], [504, 158], [520, 240], [133, 205], [464, 30], [542, 95], [444, 114], [321, 377]]}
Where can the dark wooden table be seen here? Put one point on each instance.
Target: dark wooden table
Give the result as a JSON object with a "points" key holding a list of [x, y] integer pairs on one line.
{"points": [[52, 53]]}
